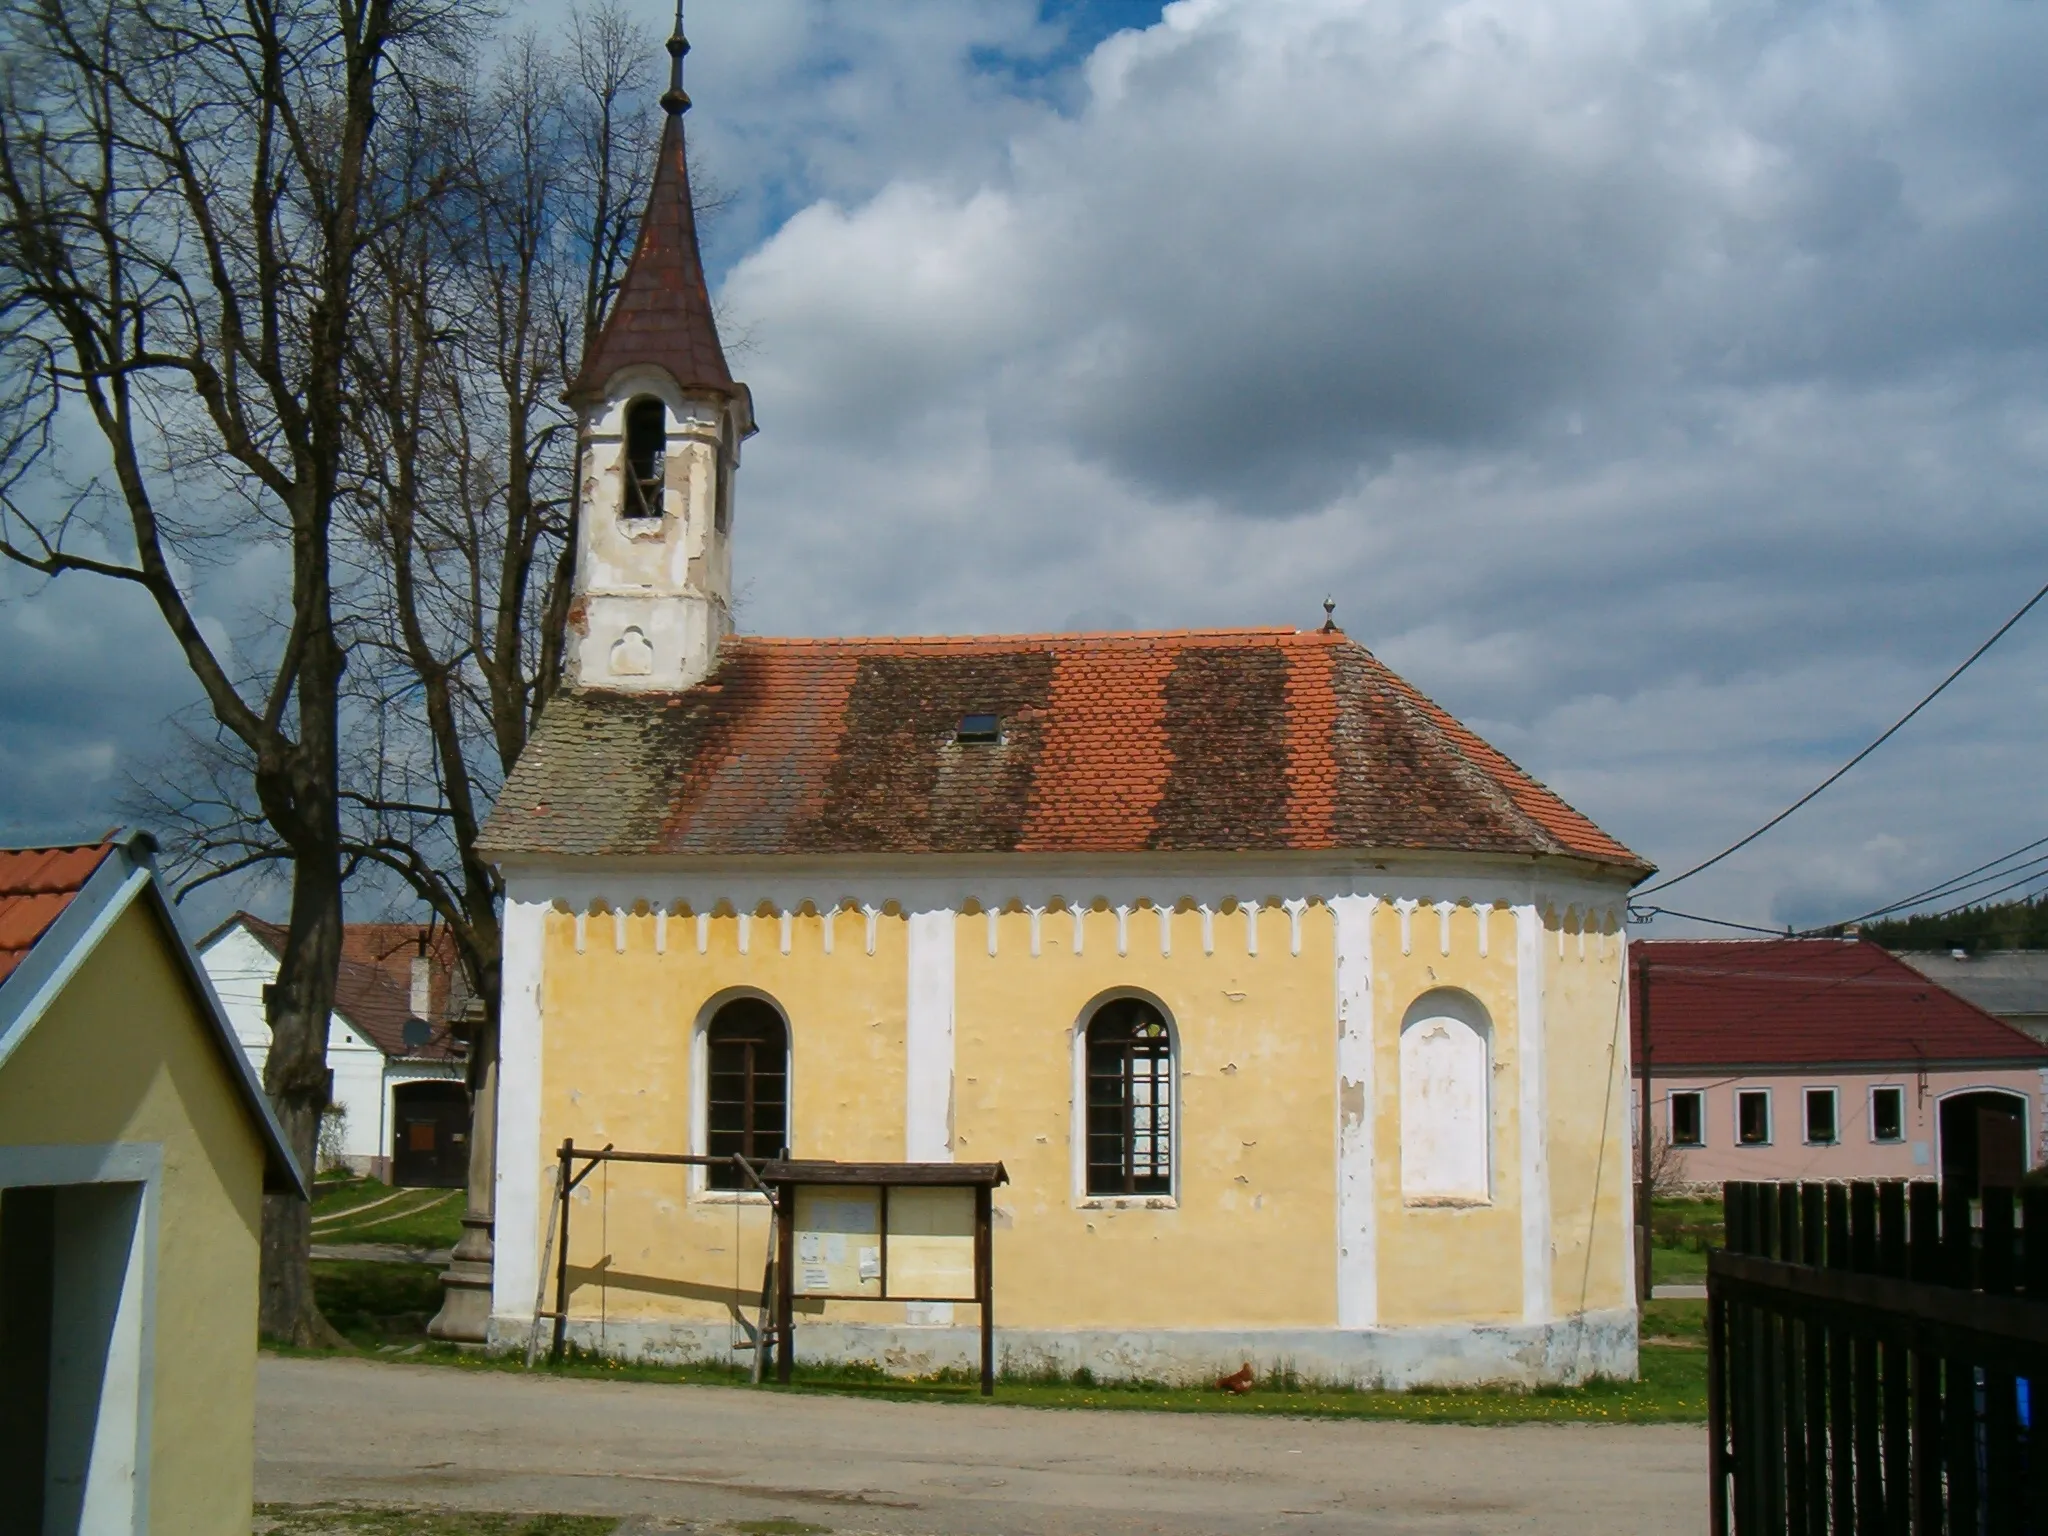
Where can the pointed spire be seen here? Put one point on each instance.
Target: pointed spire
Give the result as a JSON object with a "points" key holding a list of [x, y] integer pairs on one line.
{"points": [[675, 100], [662, 315]]}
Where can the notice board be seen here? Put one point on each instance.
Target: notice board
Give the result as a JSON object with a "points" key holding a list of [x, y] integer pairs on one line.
{"points": [[873, 1244], [838, 1241], [931, 1243]]}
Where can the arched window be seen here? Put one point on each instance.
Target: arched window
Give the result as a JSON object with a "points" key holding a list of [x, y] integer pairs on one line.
{"points": [[1446, 1082], [1130, 1100], [646, 456], [746, 1087]]}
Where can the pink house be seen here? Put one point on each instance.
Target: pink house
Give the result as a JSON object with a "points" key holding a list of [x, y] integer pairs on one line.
{"points": [[1828, 1059]]}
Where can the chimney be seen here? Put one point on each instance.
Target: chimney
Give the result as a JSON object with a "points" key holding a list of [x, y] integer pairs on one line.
{"points": [[422, 1003]]}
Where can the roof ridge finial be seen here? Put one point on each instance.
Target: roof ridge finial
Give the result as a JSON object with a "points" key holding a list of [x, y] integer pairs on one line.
{"points": [[1329, 616], [675, 99]]}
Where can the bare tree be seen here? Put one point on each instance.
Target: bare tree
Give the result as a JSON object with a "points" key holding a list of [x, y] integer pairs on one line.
{"points": [[188, 192], [458, 506], [471, 502]]}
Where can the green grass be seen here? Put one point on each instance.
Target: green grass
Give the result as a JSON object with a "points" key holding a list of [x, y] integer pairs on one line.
{"points": [[335, 1193], [1677, 1266], [357, 1520], [1677, 1323], [376, 1304], [425, 1218]]}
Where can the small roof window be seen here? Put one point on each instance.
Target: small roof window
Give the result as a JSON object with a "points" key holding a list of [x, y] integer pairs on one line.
{"points": [[979, 728]]}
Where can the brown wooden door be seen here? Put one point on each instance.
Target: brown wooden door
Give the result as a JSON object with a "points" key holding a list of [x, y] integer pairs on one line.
{"points": [[430, 1135]]}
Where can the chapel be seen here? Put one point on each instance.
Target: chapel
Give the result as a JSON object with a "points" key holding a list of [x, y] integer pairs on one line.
{"points": [[1293, 1011]]}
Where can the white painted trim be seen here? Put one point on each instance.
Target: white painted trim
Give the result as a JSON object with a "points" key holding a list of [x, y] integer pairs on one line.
{"points": [[1624, 1067], [928, 1039], [1770, 1118], [1806, 1092], [133, 1351], [1533, 1108], [1870, 1113], [1077, 1108], [1357, 1193], [515, 1269], [697, 1179], [927, 882], [1671, 1098]]}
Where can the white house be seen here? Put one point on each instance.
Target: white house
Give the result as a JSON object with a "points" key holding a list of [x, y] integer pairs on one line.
{"points": [[398, 1068]]}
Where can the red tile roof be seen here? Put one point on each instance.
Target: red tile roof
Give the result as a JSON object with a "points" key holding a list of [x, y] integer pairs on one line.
{"points": [[662, 314], [1111, 743], [1725, 1003], [373, 984], [36, 885]]}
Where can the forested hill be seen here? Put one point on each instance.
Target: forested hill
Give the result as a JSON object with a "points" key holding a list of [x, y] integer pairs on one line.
{"points": [[2000, 925]]}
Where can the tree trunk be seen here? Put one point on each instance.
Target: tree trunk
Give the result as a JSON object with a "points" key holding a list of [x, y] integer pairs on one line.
{"points": [[295, 1077]]}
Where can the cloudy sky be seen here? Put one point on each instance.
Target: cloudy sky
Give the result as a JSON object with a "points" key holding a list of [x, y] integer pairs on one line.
{"points": [[1660, 384]]}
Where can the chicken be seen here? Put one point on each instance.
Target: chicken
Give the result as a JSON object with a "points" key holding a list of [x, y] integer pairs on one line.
{"points": [[1239, 1380]]}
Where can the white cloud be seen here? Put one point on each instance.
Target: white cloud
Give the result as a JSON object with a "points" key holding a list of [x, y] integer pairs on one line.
{"points": [[1664, 386], [1661, 385]]}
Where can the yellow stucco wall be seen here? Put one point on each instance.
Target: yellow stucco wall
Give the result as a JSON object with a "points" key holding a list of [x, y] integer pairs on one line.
{"points": [[1250, 1238], [1442, 1264], [616, 1067], [123, 1055], [1587, 1084]]}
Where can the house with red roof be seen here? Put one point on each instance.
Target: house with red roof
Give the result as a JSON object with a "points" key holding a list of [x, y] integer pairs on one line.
{"points": [[1829, 1059], [399, 1106], [1293, 1009], [135, 1150]]}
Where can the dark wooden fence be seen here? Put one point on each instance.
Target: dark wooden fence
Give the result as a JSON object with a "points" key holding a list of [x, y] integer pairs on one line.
{"points": [[1878, 1362]]}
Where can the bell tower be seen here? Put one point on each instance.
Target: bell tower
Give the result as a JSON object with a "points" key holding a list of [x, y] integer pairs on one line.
{"points": [[660, 423]]}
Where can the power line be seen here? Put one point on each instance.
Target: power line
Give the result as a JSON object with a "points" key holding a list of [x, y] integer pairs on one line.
{"points": [[2038, 874], [1891, 731], [1999, 868], [1644, 914]]}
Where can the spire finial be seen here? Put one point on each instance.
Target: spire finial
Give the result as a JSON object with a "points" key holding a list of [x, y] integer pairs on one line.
{"points": [[1329, 615], [675, 99]]}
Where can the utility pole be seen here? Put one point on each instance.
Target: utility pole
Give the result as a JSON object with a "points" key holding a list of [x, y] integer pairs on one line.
{"points": [[1643, 1140]]}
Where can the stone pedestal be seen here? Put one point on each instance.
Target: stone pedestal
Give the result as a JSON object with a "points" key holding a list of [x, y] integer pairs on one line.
{"points": [[465, 1315]]}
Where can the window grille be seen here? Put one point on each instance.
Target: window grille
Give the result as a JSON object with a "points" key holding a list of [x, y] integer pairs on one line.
{"points": [[1130, 1101], [748, 1087]]}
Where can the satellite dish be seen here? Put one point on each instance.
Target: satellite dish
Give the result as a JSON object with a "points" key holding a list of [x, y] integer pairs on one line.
{"points": [[416, 1033]]}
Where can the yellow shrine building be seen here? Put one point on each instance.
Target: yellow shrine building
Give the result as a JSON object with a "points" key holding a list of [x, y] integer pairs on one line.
{"points": [[1294, 1011]]}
